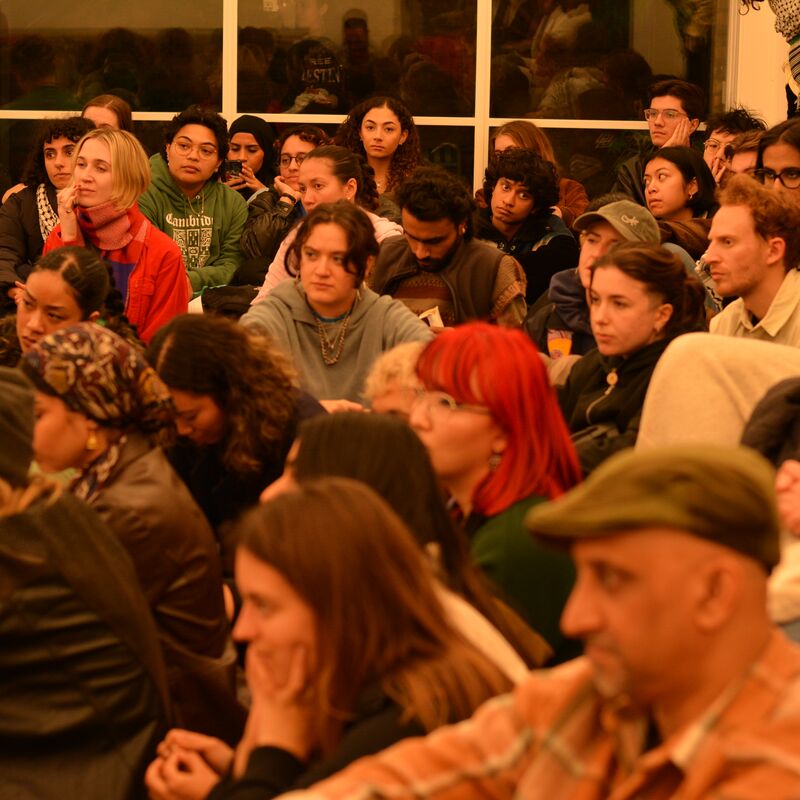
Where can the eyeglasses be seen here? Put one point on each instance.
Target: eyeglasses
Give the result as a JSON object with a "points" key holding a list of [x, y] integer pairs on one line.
{"points": [[713, 145], [441, 402], [184, 147], [669, 114], [286, 159], [789, 177]]}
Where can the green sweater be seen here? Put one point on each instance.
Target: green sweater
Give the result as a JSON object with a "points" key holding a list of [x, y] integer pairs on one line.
{"points": [[534, 578], [207, 230]]}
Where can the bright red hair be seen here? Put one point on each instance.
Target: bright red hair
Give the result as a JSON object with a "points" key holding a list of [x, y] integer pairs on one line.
{"points": [[500, 368]]}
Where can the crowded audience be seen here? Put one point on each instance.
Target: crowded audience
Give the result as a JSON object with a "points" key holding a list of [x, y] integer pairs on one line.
{"points": [[441, 490]]}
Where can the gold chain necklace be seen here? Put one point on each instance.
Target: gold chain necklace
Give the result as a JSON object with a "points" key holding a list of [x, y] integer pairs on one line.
{"points": [[331, 349], [202, 204]]}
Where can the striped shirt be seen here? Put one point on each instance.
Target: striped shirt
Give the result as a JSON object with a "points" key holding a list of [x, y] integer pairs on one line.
{"points": [[556, 738]]}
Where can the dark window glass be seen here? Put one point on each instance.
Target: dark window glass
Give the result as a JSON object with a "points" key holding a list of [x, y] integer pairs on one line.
{"points": [[325, 58], [566, 59]]}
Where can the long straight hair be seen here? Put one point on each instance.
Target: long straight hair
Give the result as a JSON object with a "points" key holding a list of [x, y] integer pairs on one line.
{"points": [[501, 369], [378, 619]]}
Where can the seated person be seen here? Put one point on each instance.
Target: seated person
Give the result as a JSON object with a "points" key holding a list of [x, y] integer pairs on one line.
{"points": [[676, 108], [330, 680], [439, 265], [98, 405], [98, 208], [561, 326], [188, 202], [84, 698], [28, 216], [640, 298], [251, 144], [237, 412], [499, 446], [678, 185], [723, 128], [271, 214], [330, 174], [68, 285], [696, 674], [753, 255], [328, 322], [572, 197], [520, 190], [741, 155]]}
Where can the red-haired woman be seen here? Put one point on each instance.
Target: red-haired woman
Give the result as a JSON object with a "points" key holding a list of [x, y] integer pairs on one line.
{"points": [[499, 444]]}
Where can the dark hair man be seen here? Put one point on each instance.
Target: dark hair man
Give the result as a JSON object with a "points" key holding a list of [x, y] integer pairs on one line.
{"points": [[188, 202], [675, 110], [438, 265], [521, 190], [722, 129], [686, 688]]}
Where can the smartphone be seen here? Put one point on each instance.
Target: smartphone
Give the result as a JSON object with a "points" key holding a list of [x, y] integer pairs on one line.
{"points": [[232, 168]]}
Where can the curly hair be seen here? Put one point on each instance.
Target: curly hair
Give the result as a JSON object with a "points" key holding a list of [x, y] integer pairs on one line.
{"points": [[362, 247], [525, 167], [408, 155], [347, 165], [197, 115], [244, 374], [72, 128], [306, 133], [772, 216], [432, 194]]}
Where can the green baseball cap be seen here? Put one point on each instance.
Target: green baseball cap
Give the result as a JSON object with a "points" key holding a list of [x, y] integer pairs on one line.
{"points": [[723, 494], [629, 219]]}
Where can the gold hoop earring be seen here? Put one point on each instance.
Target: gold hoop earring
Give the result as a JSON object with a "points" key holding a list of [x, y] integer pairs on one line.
{"points": [[494, 461], [91, 442]]}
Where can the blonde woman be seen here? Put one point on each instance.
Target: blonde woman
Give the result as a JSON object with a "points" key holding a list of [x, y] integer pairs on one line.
{"points": [[99, 208]]}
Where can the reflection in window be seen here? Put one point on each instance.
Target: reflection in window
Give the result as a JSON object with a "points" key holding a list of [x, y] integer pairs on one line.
{"points": [[566, 59], [306, 58]]}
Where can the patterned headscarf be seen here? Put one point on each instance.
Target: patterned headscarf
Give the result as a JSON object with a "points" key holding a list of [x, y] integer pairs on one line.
{"points": [[100, 375]]}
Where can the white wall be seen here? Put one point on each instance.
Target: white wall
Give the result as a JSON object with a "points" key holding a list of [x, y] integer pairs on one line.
{"points": [[756, 63]]}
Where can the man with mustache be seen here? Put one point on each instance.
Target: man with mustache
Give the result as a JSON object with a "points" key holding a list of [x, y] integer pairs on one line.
{"points": [[686, 688], [439, 265]]}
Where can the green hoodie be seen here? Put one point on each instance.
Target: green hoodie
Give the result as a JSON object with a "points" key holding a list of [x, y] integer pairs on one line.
{"points": [[207, 230]]}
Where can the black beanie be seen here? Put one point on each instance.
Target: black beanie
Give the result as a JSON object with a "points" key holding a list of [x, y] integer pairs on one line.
{"points": [[16, 426]]}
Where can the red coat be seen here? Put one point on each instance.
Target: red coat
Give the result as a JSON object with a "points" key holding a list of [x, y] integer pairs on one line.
{"points": [[158, 288]]}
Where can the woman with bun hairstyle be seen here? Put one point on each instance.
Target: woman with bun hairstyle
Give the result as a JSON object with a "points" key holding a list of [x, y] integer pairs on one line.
{"points": [[329, 174], [640, 299], [99, 208]]}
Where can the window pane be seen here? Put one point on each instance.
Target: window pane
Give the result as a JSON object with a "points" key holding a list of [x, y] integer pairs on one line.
{"points": [[451, 148], [564, 59], [317, 58], [56, 62]]}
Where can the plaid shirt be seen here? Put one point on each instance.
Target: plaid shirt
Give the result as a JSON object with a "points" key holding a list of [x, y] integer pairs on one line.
{"points": [[555, 738]]}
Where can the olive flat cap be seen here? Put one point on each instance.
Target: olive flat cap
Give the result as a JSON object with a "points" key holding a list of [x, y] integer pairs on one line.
{"points": [[723, 494]]}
